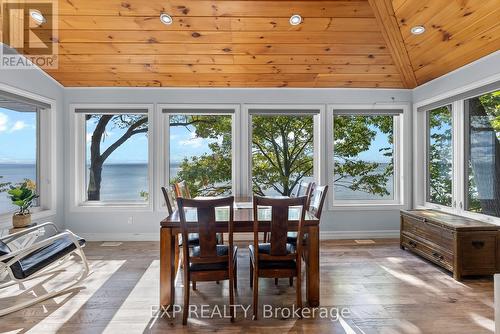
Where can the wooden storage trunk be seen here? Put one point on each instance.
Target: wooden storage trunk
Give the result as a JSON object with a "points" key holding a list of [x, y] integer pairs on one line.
{"points": [[461, 245]]}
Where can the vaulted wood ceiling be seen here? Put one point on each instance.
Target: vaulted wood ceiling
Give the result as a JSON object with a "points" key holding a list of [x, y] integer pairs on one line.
{"points": [[251, 43]]}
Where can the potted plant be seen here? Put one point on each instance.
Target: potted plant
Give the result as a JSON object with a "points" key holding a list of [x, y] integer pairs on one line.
{"points": [[22, 196]]}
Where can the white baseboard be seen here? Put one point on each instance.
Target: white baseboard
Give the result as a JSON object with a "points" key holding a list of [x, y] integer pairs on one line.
{"points": [[324, 235], [383, 234]]}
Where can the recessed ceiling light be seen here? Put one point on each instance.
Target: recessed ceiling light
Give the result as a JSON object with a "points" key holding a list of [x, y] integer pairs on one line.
{"points": [[295, 19], [417, 30], [37, 16], [166, 19]]}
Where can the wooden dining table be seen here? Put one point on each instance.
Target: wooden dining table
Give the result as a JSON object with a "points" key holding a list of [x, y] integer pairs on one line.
{"points": [[243, 223]]}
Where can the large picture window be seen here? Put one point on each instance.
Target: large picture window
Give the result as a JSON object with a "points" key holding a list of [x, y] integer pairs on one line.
{"points": [[19, 145], [116, 157], [439, 156], [364, 157], [200, 150], [482, 151], [282, 153]]}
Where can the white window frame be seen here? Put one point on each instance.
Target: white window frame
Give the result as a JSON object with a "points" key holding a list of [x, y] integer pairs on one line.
{"points": [[402, 140], [420, 155], [455, 134], [77, 135], [318, 141], [46, 156], [163, 164]]}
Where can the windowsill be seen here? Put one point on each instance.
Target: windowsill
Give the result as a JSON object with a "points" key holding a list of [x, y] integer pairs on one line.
{"points": [[6, 219], [113, 207], [366, 207]]}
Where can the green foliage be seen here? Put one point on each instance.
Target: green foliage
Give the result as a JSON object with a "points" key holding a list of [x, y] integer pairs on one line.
{"points": [[208, 174], [440, 156], [282, 152], [352, 136], [23, 196]]}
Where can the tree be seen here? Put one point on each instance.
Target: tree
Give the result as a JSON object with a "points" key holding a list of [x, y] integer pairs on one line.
{"points": [[210, 173], [282, 148], [484, 163], [440, 156], [282, 152], [352, 136], [134, 124]]}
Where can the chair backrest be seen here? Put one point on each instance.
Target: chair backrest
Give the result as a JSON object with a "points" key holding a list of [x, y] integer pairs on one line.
{"points": [[302, 189], [206, 228], [168, 200], [317, 200], [16, 267], [181, 190], [279, 222]]}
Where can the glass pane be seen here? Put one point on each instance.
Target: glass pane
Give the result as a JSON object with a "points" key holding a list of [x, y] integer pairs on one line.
{"points": [[483, 152], [200, 153], [18, 152], [440, 156], [363, 157], [282, 153], [117, 158]]}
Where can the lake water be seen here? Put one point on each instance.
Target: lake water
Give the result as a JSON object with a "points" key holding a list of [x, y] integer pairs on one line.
{"points": [[14, 173], [126, 181]]}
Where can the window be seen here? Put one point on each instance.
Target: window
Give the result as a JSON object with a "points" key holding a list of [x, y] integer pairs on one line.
{"points": [[18, 151], [439, 156], [364, 157], [116, 157], [282, 152], [200, 150], [482, 152]]}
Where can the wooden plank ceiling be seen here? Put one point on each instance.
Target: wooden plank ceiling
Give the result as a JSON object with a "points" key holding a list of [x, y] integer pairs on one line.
{"points": [[457, 33], [251, 43]]}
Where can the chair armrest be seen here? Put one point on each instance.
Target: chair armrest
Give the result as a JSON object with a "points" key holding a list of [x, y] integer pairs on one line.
{"points": [[21, 253], [14, 236]]}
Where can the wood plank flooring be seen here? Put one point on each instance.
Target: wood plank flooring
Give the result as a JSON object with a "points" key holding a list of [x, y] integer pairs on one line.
{"points": [[385, 289]]}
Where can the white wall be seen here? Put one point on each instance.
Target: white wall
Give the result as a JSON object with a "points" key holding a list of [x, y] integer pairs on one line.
{"points": [[35, 81], [113, 225]]}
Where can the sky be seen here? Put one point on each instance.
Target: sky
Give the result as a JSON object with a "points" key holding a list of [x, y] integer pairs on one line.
{"points": [[17, 136], [134, 150], [18, 142]]}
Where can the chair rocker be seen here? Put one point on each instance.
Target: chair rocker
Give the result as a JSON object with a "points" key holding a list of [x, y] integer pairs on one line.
{"points": [[39, 259]]}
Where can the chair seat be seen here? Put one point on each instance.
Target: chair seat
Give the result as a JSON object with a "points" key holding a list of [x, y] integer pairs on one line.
{"points": [[43, 257], [291, 238], [222, 250], [265, 248], [194, 239]]}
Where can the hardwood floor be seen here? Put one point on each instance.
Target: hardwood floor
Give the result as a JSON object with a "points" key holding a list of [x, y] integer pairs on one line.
{"points": [[385, 289]]}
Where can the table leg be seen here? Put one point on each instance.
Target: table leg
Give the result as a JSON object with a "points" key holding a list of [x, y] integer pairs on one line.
{"points": [[167, 267], [313, 277]]}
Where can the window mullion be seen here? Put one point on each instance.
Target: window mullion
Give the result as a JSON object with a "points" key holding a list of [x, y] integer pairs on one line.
{"points": [[458, 161]]}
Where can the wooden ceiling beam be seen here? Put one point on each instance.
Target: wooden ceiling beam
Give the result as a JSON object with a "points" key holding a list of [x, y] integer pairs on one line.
{"points": [[384, 13]]}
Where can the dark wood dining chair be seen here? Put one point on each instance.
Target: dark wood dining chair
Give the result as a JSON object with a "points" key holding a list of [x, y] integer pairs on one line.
{"points": [[168, 200], [315, 207], [209, 261], [181, 189], [277, 258], [303, 189]]}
